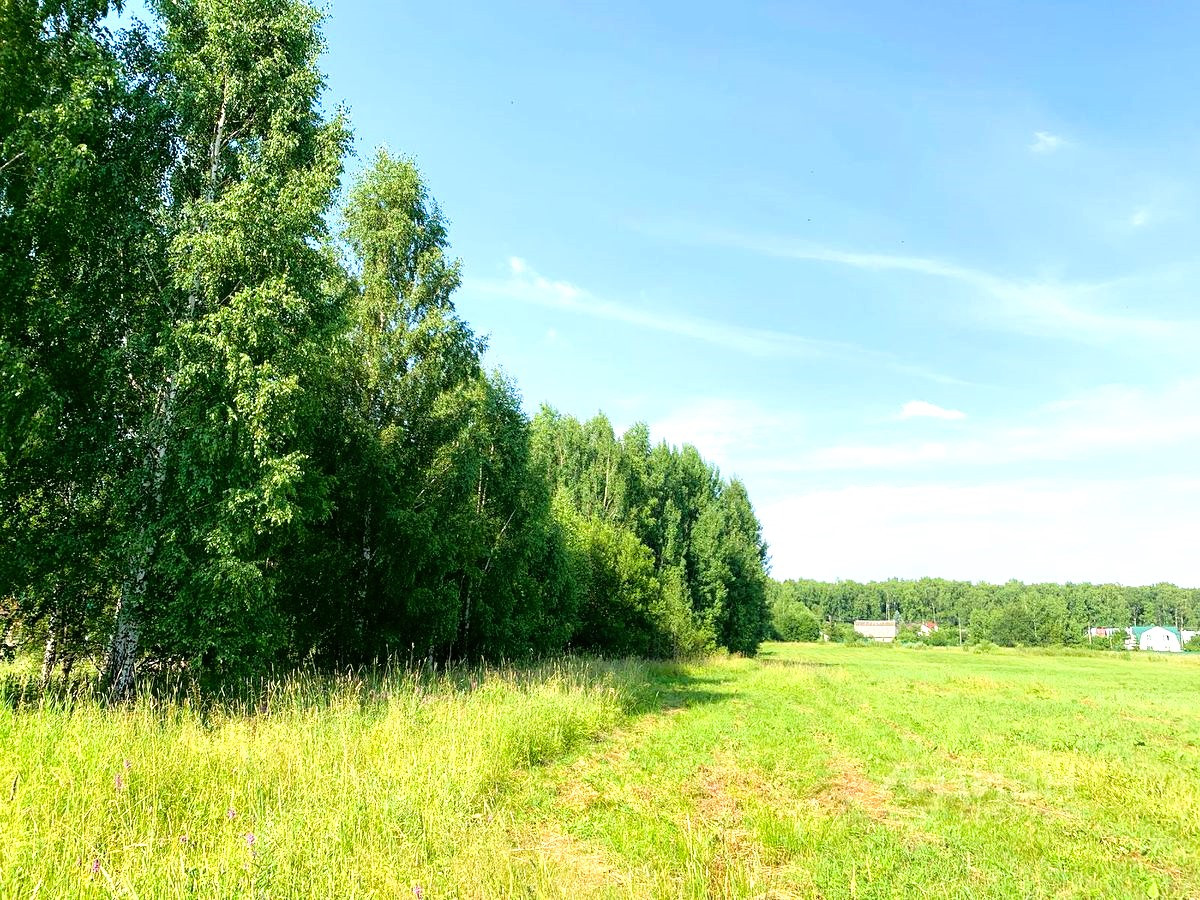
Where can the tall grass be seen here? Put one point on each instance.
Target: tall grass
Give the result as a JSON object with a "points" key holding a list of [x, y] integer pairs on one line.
{"points": [[812, 770], [369, 784]]}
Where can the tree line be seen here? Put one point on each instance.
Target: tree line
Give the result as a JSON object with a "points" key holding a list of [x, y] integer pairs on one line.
{"points": [[241, 422], [1009, 614]]}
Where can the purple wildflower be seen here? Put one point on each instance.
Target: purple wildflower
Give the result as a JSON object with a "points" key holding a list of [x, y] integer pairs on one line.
{"points": [[128, 764], [249, 838], [418, 891], [96, 866], [232, 814], [120, 782]]}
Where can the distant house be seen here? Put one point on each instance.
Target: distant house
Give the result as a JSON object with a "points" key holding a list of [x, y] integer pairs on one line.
{"points": [[884, 630], [927, 627], [1103, 631], [1160, 638]]}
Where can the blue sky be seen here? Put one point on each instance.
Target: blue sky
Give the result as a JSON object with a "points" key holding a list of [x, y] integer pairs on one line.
{"points": [[922, 275]]}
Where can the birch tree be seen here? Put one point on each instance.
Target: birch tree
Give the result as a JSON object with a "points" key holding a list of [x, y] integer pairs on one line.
{"points": [[256, 169], [82, 156]]}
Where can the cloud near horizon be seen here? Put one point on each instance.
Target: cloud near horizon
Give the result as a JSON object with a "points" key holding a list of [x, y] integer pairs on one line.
{"points": [[1106, 420], [1049, 494], [922, 409], [1098, 530]]}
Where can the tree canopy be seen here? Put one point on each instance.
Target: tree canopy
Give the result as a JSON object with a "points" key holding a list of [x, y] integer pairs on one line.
{"points": [[243, 424], [1009, 614]]}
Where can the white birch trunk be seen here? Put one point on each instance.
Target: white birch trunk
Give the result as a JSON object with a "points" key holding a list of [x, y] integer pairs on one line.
{"points": [[50, 656], [121, 666]]}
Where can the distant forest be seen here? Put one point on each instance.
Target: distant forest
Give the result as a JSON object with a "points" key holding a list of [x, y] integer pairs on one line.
{"points": [[1008, 614], [242, 424]]}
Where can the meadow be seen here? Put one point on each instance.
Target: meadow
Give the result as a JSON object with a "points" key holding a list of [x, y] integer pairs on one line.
{"points": [[811, 770]]}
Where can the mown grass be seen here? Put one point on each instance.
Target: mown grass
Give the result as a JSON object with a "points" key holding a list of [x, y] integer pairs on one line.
{"points": [[810, 771]]}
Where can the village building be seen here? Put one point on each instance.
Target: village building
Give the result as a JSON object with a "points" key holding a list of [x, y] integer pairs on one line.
{"points": [[884, 630], [1159, 638]]}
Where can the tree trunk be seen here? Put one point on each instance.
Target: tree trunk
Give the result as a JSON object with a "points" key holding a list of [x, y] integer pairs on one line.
{"points": [[121, 665], [50, 656], [7, 647], [364, 583], [122, 658]]}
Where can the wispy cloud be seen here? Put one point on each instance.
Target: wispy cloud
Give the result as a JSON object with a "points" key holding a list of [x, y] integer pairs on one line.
{"points": [[1140, 218], [1044, 308], [731, 432], [526, 285], [918, 409], [1104, 421], [1045, 142]]}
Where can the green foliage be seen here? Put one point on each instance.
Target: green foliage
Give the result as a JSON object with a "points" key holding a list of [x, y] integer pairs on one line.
{"points": [[941, 637], [620, 597], [844, 633], [1011, 614], [82, 151], [669, 557], [223, 477], [791, 620], [797, 625], [233, 437]]}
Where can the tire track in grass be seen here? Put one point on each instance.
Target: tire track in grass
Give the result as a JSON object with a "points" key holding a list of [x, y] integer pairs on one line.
{"points": [[677, 804], [632, 817], [555, 843]]}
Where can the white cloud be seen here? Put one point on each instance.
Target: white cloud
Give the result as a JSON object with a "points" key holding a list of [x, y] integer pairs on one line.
{"points": [[1107, 424], [729, 432], [526, 285], [1140, 218], [1045, 142], [1045, 308], [1135, 532], [1101, 422], [991, 512], [916, 409]]}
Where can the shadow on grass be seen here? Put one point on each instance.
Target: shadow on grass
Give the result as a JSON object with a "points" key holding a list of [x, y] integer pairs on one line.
{"points": [[771, 658], [797, 663], [642, 686]]}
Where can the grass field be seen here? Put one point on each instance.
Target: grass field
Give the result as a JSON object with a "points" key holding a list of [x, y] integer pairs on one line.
{"points": [[811, 771]]}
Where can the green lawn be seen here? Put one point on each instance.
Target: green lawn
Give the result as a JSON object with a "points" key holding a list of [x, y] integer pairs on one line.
{"points": [[809, 771]]}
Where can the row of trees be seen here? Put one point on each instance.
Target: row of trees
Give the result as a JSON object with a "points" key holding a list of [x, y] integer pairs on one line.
{"points": [[241, 423], [671, 556], [1007, 614]]}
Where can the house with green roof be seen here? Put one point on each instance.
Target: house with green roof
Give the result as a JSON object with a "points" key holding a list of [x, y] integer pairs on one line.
{"points": [[1161, 638]]}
